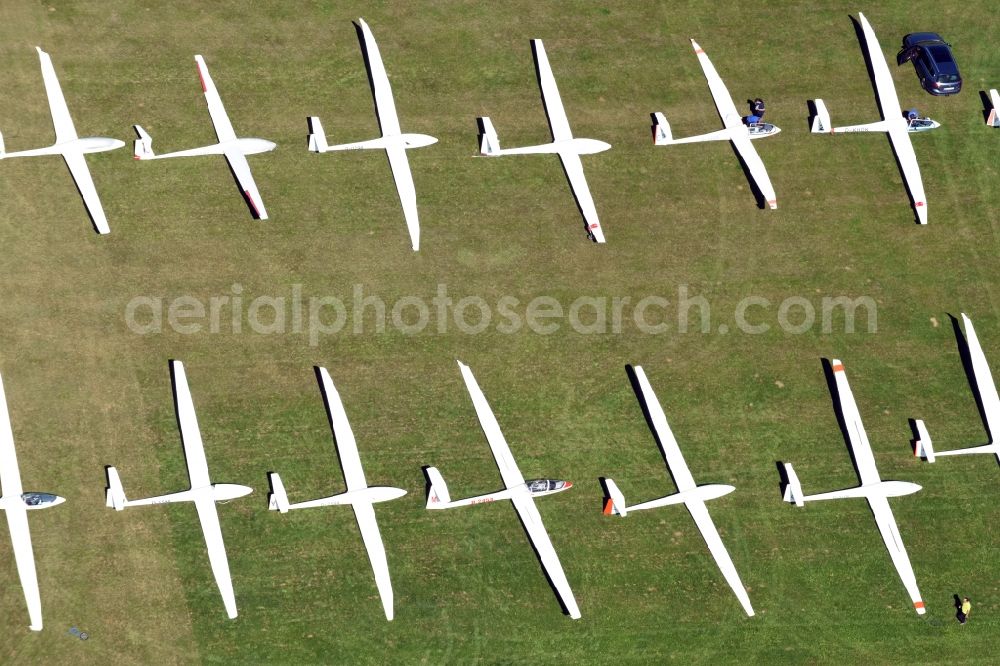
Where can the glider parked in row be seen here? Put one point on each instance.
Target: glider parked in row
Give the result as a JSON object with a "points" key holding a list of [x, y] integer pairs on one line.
{"points": [[15, 504], [393, 141], [563, 143], [203, 492], [234, 149], [872, 488], [993, 119], [520, 492], [986, 391], [688, 492], [70, 146], [735, 129], [893, 122], [360, 496]]}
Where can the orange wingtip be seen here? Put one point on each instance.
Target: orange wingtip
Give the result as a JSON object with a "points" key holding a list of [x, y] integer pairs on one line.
{"points": [[201, 77], [918, 604], [609, 504], [252, 203], [699, 50], [839, 367]]}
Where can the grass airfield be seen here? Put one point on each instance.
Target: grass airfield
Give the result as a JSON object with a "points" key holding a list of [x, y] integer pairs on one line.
{"points": [[84, 391]]}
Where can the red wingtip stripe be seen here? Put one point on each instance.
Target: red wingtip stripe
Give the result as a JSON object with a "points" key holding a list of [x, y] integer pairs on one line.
{"points": [[595, 226], [919, 204], [918, 604], [608, 505], [839, 367], [201, 77], [699, 51], [252, 202]]}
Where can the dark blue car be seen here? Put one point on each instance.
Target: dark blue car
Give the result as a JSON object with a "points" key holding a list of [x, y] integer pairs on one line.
{"points": [[934, 62]]}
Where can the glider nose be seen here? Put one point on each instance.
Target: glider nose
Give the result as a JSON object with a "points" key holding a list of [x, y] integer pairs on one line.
{"points": [[254, 146], [418, 140], [591, 146], [229, 491], [99, 144]]}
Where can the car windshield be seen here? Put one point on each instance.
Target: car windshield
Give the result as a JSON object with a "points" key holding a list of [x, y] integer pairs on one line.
{"points": [[941, 54], [947, 78]]}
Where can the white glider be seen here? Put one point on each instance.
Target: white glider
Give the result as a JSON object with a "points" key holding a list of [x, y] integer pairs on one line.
{"points": [[563, 144], [735, 129], [70, 146], [15, 503], [520, 492], [359, 494], [688, 493], [893, 122], [393, 141], [203, 492], [232, 147], [872, 488], [990, 403], [993, 120]]}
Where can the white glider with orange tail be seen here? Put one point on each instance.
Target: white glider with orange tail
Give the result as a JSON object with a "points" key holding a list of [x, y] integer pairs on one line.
{"points": [[872, 487], [993, 119]]}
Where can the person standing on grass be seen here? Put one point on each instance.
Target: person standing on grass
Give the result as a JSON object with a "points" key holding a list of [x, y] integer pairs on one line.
{"points": [[963, 613]]}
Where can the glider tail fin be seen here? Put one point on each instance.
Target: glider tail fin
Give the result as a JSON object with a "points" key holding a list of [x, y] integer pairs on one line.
{"points": [[278, 500], [922, 446], [143, 147], [317, 137], [821, 121], [793, 489], [994, 118], [614, 504], [661, 130], [437, 495], [115, 493], [489, 143]]}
